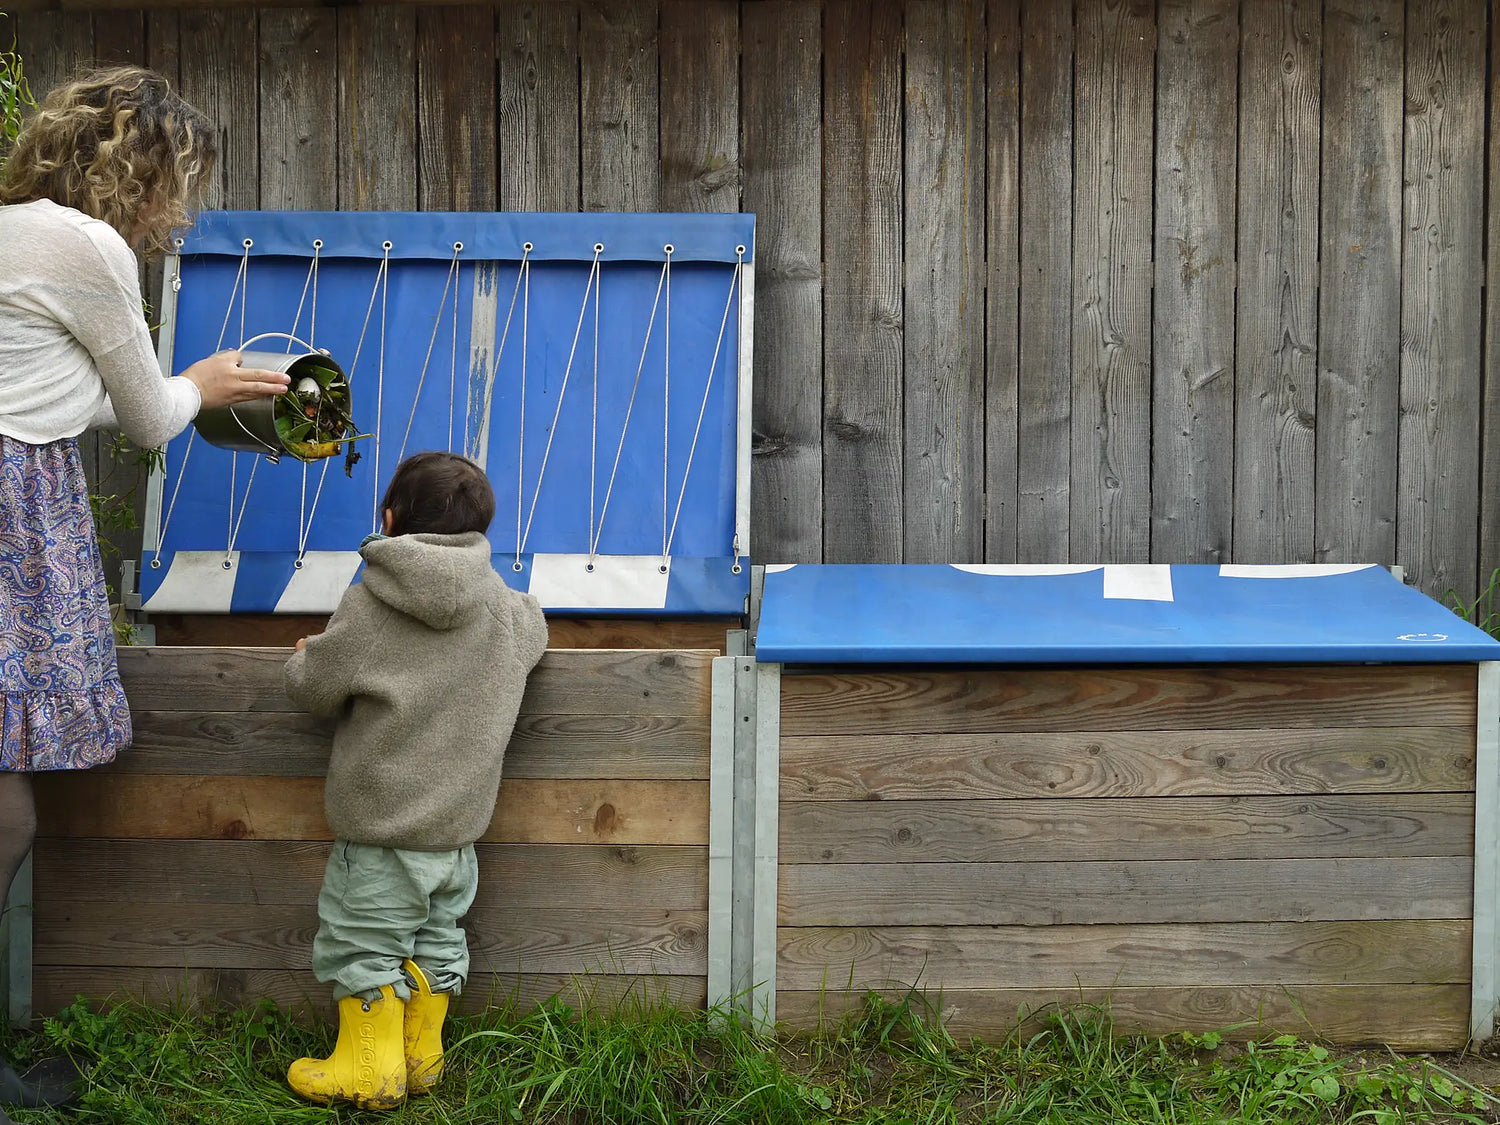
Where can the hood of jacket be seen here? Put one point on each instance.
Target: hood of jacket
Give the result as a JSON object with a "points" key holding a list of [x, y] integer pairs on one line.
{"points": [[438, 579]]}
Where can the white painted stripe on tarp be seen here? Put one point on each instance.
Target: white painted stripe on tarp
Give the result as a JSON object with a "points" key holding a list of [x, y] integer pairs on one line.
{"points": [[321, 582], [616, 582], [1143, 582], [1290, 570], [777, 568], [1025, 570], [196, 582]]}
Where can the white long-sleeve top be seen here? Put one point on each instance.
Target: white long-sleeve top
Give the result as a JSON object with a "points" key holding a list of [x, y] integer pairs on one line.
{"points": [[75, 351]]}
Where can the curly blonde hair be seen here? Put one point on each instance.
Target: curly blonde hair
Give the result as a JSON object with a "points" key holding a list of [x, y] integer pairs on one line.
{"points": [[119, 145]]}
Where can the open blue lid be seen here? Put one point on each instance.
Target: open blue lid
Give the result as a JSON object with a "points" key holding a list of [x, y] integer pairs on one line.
{"points": [[1081, 614]]}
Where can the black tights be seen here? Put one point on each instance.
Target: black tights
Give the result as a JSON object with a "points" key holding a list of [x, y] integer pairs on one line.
{"points": [[17, 825]]}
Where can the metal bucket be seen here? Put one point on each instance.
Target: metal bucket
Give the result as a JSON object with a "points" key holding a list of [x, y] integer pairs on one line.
{"points": [[250, 427]]}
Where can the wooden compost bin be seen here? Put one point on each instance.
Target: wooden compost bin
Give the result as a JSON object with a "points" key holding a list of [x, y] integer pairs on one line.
{"points": [[189, 869], [1196, 846]]}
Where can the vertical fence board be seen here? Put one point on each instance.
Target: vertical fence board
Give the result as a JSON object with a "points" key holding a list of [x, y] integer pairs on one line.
{"points": [[862, 301], [783, 187], [1192, 448], [1359, 313], [700, 105], [1044, 392], [1441, 277], [219, 77], [456, 108], [1110, 501], [377, 109], [538, 107], [119, 37], [1002, 194], [1277, 307], [298, 109], [617, 45], [943, 423], [1489, 497]]}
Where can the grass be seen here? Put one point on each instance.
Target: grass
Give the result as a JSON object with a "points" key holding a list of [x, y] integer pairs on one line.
{"points": [[885, 1064]]}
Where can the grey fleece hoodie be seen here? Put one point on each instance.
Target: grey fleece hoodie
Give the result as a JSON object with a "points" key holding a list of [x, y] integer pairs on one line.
{"points": [[424, 664]]}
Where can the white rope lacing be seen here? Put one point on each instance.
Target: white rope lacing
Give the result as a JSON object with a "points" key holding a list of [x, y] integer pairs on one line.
{"points": [[453, 362], [703, 406], [561, 395], [525, 352], [304, 516], [385, 292], [451, 281], [240, 281], [666, 404], [234, 461], [594, 429], [629, 407]]}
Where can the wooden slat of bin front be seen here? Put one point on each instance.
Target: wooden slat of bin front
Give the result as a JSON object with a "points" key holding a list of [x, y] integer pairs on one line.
{"points": [[228, 807], [1157, 698], [1409, 1017], [566, 682], [236, 936], [1123, 763], [1065, 957], [267, 872], [1145, 828], [300, 992], [1052, 894], [292, 744]]}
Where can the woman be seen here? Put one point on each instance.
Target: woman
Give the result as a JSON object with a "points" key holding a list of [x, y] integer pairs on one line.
{"points": [[109, 162]]}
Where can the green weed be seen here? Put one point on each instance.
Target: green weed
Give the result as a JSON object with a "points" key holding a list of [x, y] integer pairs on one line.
{"points": [[887, 1064]]}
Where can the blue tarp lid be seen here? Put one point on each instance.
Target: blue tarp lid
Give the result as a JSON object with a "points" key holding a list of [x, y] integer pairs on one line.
{"points": [[1080, 614]]}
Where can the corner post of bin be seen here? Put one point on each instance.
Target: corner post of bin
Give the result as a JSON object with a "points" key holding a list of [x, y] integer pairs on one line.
{"points": [[767, 688], [1483, 996], [721, 837]]}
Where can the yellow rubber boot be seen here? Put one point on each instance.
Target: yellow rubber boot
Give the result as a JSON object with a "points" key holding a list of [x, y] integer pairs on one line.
{"points": [[368, 1065], [423, 1036]]}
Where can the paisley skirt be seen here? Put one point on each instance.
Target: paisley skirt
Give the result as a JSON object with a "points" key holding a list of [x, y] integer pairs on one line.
{"points": [[61, 703]]}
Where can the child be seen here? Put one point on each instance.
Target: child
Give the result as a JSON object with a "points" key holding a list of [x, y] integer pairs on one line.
{"points": [[424, 665]]}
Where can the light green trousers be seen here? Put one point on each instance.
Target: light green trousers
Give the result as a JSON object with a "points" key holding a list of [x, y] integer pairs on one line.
{"points": [[380, 906]]}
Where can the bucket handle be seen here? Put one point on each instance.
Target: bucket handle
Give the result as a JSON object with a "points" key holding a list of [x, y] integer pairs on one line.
{"points": [[280, 336]]}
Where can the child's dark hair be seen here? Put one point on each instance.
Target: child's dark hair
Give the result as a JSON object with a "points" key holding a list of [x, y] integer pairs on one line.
{"points": [[441, 493]]}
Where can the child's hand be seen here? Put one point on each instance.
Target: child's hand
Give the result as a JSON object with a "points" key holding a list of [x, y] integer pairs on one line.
{"points": [[301, 643]]}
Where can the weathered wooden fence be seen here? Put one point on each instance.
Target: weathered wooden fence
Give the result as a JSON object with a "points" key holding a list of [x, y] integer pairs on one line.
{"points": [[1110, 281]]}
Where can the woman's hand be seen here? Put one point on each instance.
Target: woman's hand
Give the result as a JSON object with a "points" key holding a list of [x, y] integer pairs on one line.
{"points": [[221, 380]]}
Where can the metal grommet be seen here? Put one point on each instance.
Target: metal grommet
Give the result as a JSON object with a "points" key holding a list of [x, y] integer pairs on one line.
{"points": [[249, 242], [179, 242], [457, 246], [669, 248], [297, 565], [739, 249], [317, 244], [736, 569], [527, 246], [598, 248], [517, 567], [228, 565], [156, 564], [589, 567], [661, 570], [387, 244]]}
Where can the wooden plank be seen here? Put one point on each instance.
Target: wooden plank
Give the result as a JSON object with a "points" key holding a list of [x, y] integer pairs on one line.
{"points": [[247, 630], [538, 104], [782, 153], [944, 405], [863, 194], [298, 120], [219, 54], [1044, 407], [271, 872], [299, 992], [1359, 312], [1110, 506], [1192, 412], [1489, 484], [1277, 312], [700, 104], [582, 632], [1002, 203], [291, 744], [1155, 828], [456, 108], [617, 49], [1275, 953], [1405, 1017], [120, 38], [580, 681], [1116, 764], [377, 137], [1442, 278], [209, 936], [1163, 698], [1099, 892], [52, 45], [533, 811]]}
